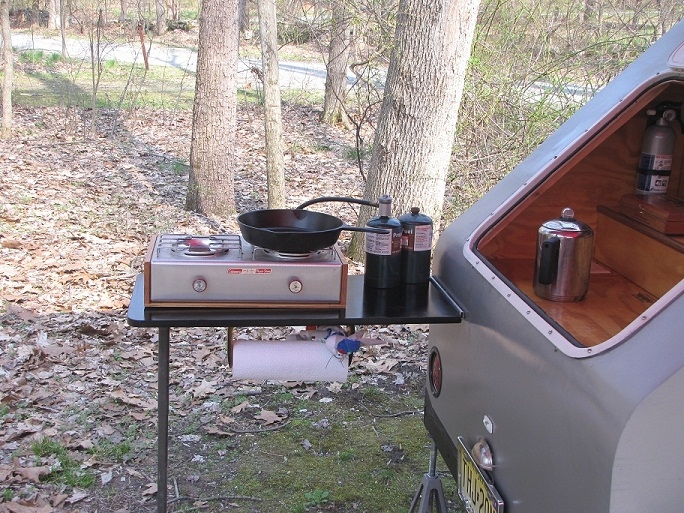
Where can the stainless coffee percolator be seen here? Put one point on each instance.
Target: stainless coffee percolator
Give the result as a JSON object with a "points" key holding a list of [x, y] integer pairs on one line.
{"points": [[564, 251]]}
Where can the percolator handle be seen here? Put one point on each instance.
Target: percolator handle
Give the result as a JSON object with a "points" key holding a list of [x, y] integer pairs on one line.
{"points": [[548, 260]]}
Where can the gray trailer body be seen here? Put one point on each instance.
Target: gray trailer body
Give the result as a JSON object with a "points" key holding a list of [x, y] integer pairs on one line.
{"points": [[573, 427]]}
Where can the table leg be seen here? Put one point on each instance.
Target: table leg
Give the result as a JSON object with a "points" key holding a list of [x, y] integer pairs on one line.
{"points": [[162, 418]]}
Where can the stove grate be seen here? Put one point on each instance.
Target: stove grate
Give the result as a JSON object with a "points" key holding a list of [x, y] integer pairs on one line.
{"points": [[198, 245]]}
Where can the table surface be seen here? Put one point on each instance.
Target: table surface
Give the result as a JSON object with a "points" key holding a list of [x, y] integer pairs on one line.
{"points": [[408, 304]]}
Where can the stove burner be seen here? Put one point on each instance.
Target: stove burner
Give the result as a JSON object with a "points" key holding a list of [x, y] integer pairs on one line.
{"points": [[281, 255], [196, 247], [321, 255], [200, 246]]}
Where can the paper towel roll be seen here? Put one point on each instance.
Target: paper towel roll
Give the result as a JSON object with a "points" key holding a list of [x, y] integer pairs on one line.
{"points": [[287, 360]]}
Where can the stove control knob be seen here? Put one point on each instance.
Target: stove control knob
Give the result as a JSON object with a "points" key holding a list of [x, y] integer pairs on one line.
{"points": [[296, 286], [199, 285]]}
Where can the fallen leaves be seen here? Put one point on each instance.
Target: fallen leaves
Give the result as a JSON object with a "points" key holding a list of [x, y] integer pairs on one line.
{"points": [[76, 217], [26, 507], [150, 490], [269, 417], [213, 430], [204, 389], [127, 397], [30, 473], [240, 407]]}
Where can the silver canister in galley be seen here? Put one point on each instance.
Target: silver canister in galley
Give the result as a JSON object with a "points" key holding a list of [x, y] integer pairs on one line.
{"points": [[655, 161]]}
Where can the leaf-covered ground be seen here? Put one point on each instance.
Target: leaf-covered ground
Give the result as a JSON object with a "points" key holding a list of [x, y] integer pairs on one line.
{"points": [[78, 388]]}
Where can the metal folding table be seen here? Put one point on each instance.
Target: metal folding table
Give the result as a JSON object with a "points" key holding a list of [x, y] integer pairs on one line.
{"points": [[409, 304]]}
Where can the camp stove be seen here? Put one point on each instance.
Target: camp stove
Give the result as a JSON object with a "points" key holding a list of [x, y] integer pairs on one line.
{"points": [[225, 271]]}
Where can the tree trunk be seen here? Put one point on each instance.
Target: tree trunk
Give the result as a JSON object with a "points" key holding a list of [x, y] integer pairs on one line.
{"points": [[53, 14], [8, 68], [417, 123], [336, 68], [243, 16], [96, 68], [160, 26], [212, 158], [272, 110], [124, 8], [172, 10], [63, 27]]}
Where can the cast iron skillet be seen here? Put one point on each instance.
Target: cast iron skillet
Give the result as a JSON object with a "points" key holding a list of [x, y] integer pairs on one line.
{"points": [[297, 230]]}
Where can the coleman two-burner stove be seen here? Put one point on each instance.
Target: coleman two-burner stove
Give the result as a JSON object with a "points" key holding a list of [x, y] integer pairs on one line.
{"points": [[226, 271]]}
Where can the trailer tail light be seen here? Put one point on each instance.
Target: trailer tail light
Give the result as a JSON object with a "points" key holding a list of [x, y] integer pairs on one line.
{"points": [[435, 372], [482, 454]]}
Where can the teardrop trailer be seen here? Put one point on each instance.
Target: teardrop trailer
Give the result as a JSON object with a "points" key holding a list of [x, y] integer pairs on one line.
{"points": [[571, 406]]}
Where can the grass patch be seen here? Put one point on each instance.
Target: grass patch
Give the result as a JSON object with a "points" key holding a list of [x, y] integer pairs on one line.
{"points": [[354, 154], [302, 97], [365, 450], [316, 498], [106, 450], [46, 81], [50, 82], [39, 57], [177, 167], [345, 466], [65, 469], [346, 455]]}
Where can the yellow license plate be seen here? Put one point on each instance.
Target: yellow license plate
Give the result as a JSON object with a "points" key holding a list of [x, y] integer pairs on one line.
{"points": [[478, 494]]}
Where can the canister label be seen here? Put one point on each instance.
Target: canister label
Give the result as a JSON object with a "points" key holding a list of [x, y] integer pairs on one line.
{"points": [[417, 237], [650, 162], [652, 183], [383, 243]]}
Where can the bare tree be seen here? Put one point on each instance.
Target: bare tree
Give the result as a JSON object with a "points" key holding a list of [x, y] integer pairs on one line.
{"points": [[8, 67], [96, 50], [243, 16], [336, 67], [160, 25], [275, 171], [54, 18], [212, 161], [174, 9], [415, 133]]}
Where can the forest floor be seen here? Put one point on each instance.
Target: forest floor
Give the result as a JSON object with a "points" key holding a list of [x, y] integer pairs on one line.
{"points": [[79, 387]]}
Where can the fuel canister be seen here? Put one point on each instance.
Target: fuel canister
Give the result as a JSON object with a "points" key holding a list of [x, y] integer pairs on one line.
{"points": [[655, 162], [416, 246], [383, 251]]}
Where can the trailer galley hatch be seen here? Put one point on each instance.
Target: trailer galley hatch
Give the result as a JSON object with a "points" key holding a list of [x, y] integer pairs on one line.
{"points": [[638, 259]]}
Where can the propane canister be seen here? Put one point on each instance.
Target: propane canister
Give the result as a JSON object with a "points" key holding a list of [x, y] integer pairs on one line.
{"points": [[383, 250], [416, 245], [655, 163]]}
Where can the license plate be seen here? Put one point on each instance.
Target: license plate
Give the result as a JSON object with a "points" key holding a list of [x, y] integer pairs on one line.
{"points": [[478, 494]]}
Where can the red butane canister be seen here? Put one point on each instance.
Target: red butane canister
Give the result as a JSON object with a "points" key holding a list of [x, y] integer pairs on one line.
{"points": [[416, 246], [383, 251]]}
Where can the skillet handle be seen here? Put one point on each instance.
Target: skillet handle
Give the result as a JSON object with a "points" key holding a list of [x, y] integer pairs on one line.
{"points": [[365, 229], [338, 198]]}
